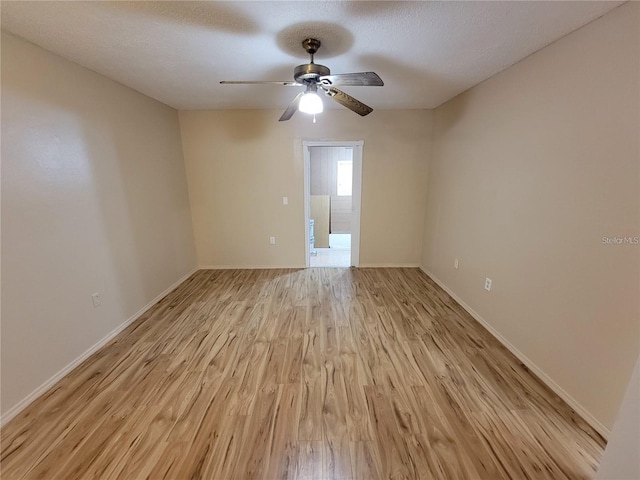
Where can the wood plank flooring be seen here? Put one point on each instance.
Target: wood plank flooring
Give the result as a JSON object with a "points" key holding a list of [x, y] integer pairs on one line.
{"points": [[301, 374]]}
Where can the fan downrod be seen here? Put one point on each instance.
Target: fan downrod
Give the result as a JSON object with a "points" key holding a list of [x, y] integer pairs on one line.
{"points": [[309, 73]]}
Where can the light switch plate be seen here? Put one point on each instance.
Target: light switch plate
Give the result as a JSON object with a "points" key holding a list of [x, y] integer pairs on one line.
{"points": [[95, 298]]}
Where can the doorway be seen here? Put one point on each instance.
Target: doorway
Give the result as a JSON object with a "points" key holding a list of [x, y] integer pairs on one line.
{"points": [[333, 175]]}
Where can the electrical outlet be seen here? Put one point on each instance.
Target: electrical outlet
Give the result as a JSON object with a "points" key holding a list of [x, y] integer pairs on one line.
{"points": [[456, 264], [95, 298], [487, 284], [285, 200], [272, 240]]}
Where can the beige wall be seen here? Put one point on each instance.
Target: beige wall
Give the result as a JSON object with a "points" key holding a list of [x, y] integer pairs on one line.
{"points": [[529, 171], [94, 199], [621, 459], [241, 163]]}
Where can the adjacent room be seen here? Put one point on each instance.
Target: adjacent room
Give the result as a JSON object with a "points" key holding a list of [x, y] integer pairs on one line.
{"points": [[330, 205], [320, 240]]}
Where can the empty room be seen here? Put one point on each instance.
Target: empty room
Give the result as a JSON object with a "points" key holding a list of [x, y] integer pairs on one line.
{"points": [[320, 240]]}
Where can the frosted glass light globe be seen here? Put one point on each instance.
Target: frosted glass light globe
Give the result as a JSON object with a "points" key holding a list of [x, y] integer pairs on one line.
{"points": [[310, 102]]}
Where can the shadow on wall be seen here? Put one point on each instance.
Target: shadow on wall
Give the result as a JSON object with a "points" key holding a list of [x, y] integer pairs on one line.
{"points": [[455, 111], [240, 127]]}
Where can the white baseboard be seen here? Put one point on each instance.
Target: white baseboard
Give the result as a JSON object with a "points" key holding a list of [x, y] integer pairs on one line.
{"points": [[548, 381], [248, 267], [388, 265], [25, 402], [277, 267]]}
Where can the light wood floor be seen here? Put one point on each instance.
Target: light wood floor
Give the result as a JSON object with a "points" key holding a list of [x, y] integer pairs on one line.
{"points": [[307, 374], [330, 257]]}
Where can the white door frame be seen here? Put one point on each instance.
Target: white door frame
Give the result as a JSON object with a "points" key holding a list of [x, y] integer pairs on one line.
{"points": [[356, 200]]}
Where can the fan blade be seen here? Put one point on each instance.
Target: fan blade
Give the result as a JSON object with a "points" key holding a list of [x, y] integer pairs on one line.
{"points": [[349, 102], [362, 79], [241, 82], [291, 109]]}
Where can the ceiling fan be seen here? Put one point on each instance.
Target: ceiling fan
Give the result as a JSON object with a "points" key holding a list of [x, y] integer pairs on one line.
{"points": [[314, 76]]}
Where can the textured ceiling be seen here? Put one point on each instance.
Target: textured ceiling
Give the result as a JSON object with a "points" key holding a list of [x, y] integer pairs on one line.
{"points": [[177, 52]]}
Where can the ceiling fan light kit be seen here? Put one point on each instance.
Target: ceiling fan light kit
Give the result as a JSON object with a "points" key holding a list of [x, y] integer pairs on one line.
{"points": [[310, 102], [313, 76]]}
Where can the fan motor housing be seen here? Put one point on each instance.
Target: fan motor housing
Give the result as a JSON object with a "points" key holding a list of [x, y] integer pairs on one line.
{"points": [[309, 72]]}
